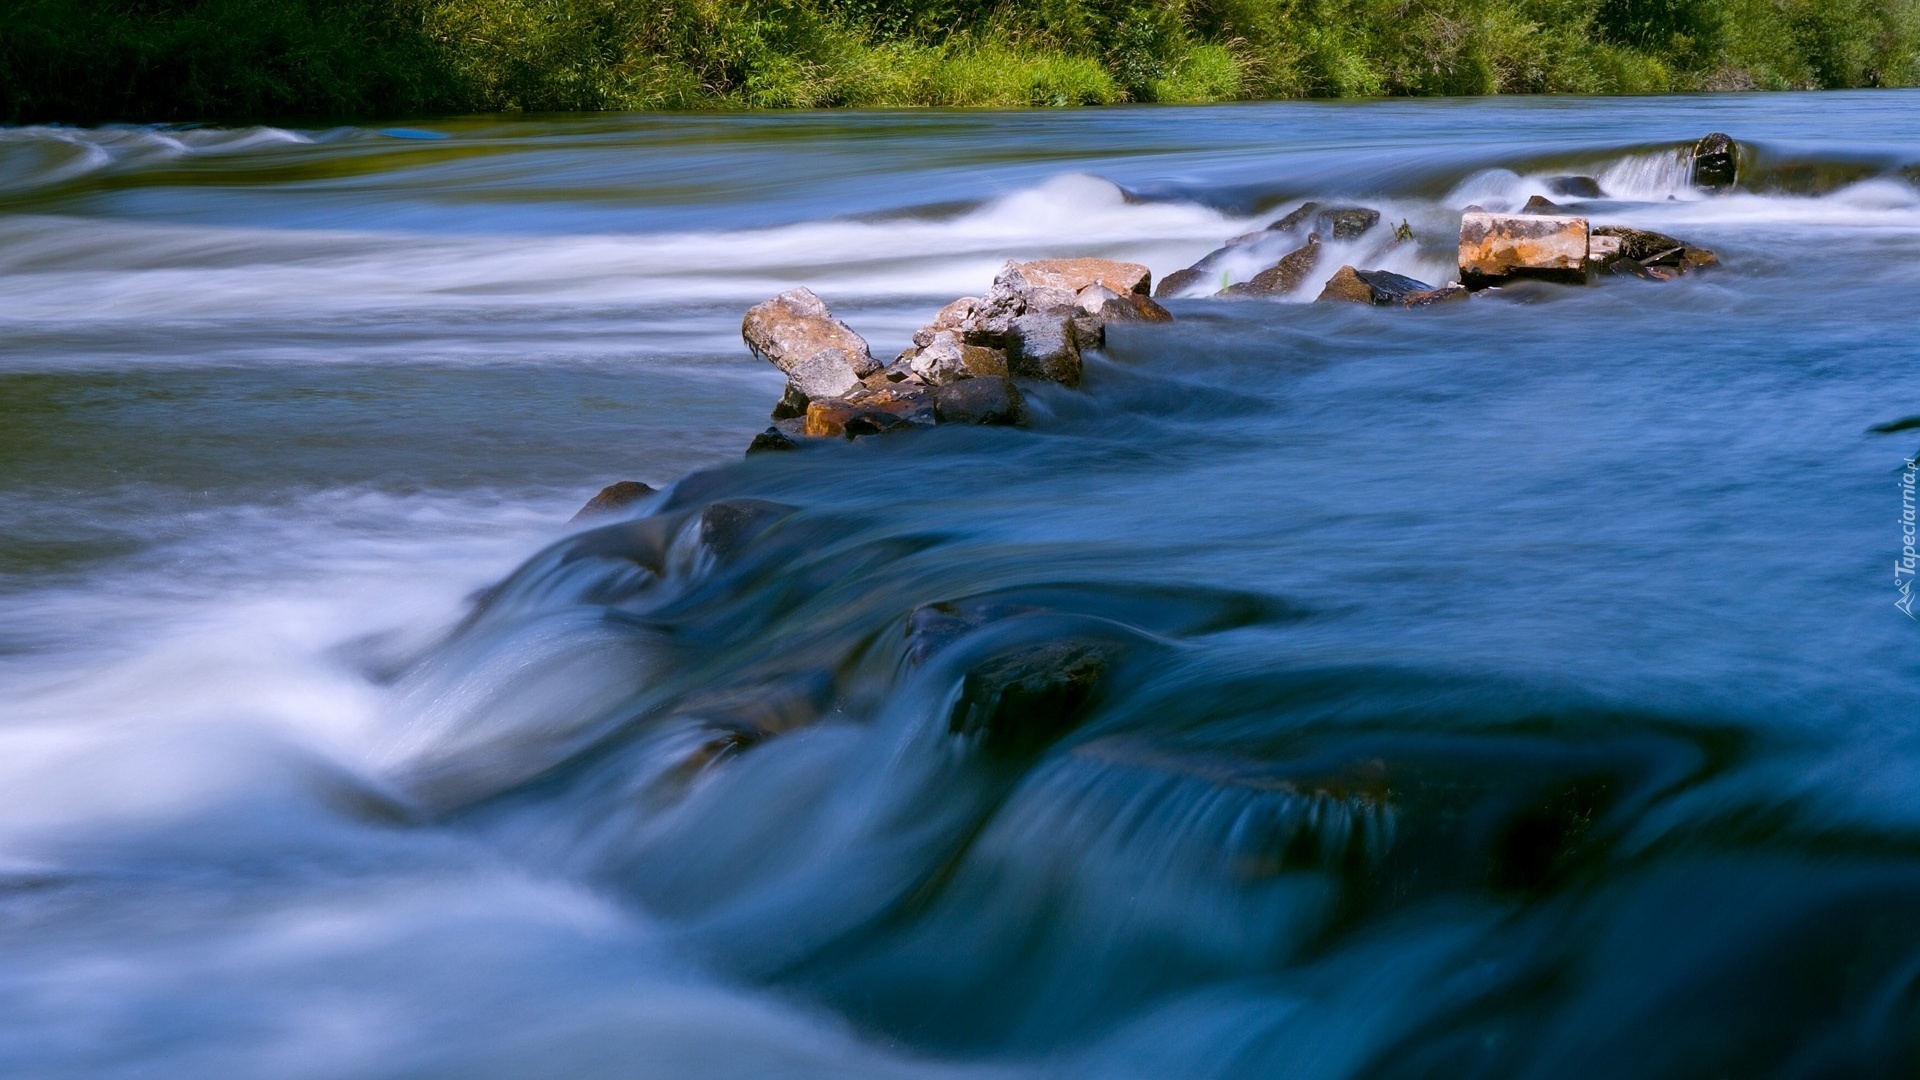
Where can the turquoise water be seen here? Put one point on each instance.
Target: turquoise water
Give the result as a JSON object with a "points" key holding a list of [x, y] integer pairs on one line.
{"points": [[1515, 688]]}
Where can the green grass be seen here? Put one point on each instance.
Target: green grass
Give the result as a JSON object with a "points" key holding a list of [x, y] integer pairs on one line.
{"points": [[87, 61]]}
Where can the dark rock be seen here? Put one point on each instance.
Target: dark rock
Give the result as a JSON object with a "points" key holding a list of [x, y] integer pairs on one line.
{"points": [[1445, 294], [1378, 287], [1641, 244], [1333, 222], [1181, 280], [1346, 222], [1626, 266], [1293, 221], [614, 497], [1576, 187], [1018, 702], [772, 440], [792, 403], [1716, 163], [728, 525], [1284, 276], [980, 401], [1540, 204], [797, 333], [1041, 346]]}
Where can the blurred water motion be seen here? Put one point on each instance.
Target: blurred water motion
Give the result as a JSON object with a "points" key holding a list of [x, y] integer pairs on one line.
{"points": [[1511, 689]]}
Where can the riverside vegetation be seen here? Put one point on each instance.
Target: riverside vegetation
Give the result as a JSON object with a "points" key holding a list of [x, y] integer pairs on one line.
{"points": [[146, 60]]}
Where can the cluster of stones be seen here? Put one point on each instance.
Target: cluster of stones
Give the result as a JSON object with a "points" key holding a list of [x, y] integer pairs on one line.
{"points": [[962, 368], [1541, 243]]}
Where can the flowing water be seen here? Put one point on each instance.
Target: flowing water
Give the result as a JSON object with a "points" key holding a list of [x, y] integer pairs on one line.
{"points": [[1513, 688]]}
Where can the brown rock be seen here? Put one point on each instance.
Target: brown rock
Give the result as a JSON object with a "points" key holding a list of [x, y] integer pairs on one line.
{"points": [[797, 333], [838, 418], [986, 400], [1181, 280], [1284, 276], [1500, 247], [613, 498], [1294, 220], [1073, 275], [1540, 204], [948, 318], [1383, 287]]}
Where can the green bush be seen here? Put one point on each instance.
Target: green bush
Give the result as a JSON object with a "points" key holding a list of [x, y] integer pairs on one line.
{"points": [[93, 60]]}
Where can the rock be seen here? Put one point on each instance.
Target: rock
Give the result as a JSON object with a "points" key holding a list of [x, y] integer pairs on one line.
{"points": [[1346, 222], [1650, 249], [1284, 276], [1695, 258], [1072, 275], [1601, 248], [797, 333], [1333, 222], [1381, 287], [1716, 163], [772, 440], [612, 498], [1576, 187], [1642, 244], [1499, 247], [1042, 346], [1540, 204], [1293, 221], [1131, 308], [729, 525], [792, 403], [985, 400], [948, 318], [1445, 294], [1018, 702], [1625, 266], [832, 418], [1181, 280], [949, 359]]}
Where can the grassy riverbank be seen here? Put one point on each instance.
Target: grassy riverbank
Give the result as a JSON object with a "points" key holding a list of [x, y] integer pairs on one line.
{"points": [[94, 60]]}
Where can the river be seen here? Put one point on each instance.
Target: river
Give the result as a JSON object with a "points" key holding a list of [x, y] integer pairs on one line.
{"points": [[1505, 689]]}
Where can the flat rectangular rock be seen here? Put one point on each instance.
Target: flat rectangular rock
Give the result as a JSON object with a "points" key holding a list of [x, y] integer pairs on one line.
{"points": [[1497, 247]]}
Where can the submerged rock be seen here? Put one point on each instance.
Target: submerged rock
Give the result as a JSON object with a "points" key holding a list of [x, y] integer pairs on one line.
{"points": [[1576, 187], [985, 401], [1284, 276], [1716, 163], [1540, 204], [797, 333], [613, 498], [1500, 247], [1382, 288], [1021, 701]]}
